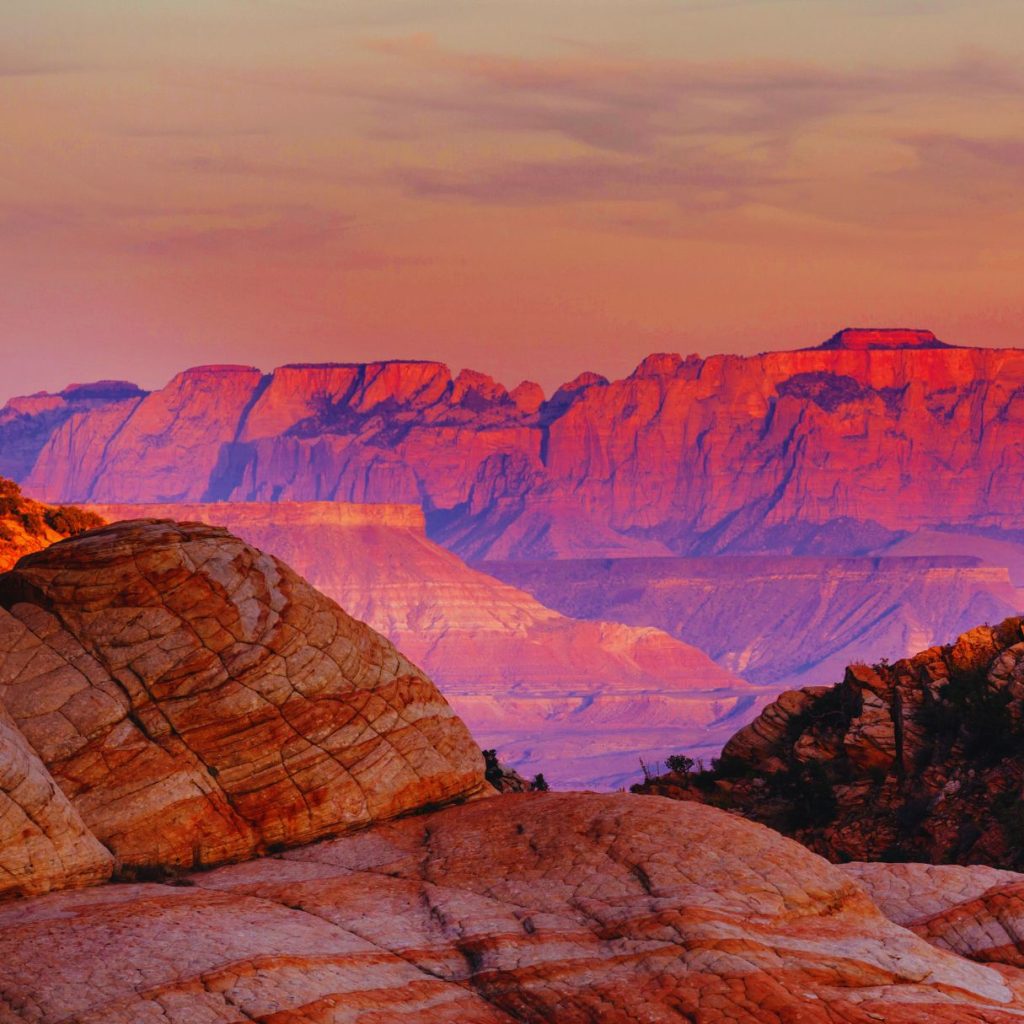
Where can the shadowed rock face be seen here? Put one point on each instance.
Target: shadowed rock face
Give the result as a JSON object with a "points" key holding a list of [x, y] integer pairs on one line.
{"points": [[198, 702], [554, 908], [919, 760], [805, 439]]}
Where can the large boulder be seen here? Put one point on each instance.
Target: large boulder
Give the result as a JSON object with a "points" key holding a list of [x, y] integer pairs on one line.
{"points": [[198, 702]]}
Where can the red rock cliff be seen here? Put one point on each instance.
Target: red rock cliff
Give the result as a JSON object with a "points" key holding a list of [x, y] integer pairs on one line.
{"points": [[694, 455]]}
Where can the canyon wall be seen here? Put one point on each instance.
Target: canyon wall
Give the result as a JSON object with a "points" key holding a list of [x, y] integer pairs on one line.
{"points": [[835, 449], [785, 620]]}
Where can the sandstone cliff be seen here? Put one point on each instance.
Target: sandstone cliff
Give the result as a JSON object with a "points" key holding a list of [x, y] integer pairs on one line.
{"points": [[919, 760], [579, 701], [813, 444]]}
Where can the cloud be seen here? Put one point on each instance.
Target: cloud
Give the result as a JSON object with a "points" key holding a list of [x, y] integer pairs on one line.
{"points": [[270, 233]]}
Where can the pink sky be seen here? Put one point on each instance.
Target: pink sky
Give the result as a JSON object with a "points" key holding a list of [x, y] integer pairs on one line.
{"points": [[530, 188]]}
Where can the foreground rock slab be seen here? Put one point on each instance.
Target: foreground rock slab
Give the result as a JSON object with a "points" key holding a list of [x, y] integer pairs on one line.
{"points": [[197, 702], [534, 908]]}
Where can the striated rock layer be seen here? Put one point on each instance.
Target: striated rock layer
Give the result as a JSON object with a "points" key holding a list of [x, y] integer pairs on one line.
{"points": [[813, 443], [581, 702], [531, 908], [783, 620], [198, 702], [187, 700], [44, 843], [922, 759]]}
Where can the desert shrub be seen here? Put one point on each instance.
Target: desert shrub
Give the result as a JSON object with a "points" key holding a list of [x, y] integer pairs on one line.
{"points": [[539, 784], [977, 714], [807, 791], [679, 763], [1008, 808], [912, 814], [728, 766], [71, 521]]}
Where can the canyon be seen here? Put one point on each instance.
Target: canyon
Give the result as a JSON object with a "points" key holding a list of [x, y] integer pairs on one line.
{"points": [[581, 702], [781, 621], [301, 831], [786, 513]]}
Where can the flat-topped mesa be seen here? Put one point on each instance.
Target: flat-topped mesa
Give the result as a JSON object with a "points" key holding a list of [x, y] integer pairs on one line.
{"points": [[277, 514], [860, 339]]}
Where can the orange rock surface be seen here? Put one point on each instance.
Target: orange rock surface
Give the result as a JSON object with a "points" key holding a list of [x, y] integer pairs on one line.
{"points": [[580, 701], [189, 700], [532, 908], [198, 702], [44, 844]]}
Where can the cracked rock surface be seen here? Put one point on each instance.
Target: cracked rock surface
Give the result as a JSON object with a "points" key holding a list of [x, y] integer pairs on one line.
{"points": [[197, 702], [553, 907]]}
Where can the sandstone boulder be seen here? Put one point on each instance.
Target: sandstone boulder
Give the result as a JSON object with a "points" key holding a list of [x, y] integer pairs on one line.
{"points": [[198, 702], [43, 842]]}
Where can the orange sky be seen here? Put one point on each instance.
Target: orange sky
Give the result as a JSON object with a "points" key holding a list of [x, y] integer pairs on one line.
{"points": [[530, 188]]}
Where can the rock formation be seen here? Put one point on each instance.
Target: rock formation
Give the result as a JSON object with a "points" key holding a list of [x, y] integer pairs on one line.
{"points": [[27, 525], [197, 702], [974, 912], [188, 700], [919, 760], [531, 908], [581, 702], [784, 621], [811, 442], [44, 844]]}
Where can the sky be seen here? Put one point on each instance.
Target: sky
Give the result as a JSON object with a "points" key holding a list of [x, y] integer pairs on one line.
{"points": [[530, 188]]}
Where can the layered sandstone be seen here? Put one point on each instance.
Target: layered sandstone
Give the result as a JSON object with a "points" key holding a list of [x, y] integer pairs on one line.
{"points": [[174, 691], [44, 844], [922, 759], [812, 443], [783, 620], [530, 908], [581, 702], [976, 912], [198, 702]]}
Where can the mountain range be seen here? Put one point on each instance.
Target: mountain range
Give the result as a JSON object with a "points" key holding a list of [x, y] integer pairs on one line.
{"points": [[799, 451]]}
